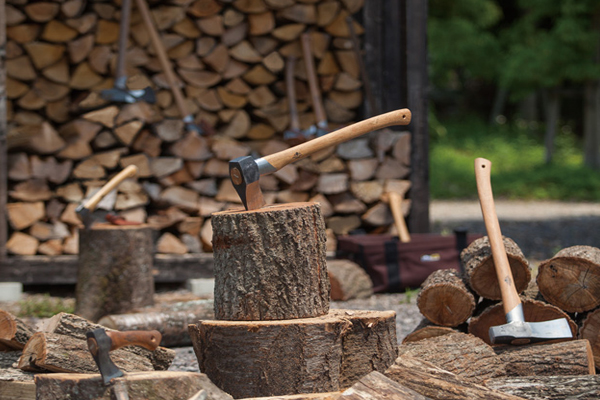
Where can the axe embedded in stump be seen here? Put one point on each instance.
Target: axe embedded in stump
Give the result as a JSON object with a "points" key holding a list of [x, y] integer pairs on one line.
{"points": [[516, 330], [245, 172]]}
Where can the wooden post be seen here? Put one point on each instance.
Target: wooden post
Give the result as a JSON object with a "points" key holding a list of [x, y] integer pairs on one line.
{"points": [[114, 274], [3, 133]]}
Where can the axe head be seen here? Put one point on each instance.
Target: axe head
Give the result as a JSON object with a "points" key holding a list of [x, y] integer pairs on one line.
{"points": [[85, 215], [99, 344], [244, 174], [122, 95], [519, 332]]}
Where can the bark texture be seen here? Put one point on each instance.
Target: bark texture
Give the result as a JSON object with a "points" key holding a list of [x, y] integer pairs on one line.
{"points": [[115, 270], [571, 279], [270, 264], [481, 273], [172, 385], [590, 330], [348, 280], [14, 332], [272, 358], [444, 298], [533, 310], [585, 387]]}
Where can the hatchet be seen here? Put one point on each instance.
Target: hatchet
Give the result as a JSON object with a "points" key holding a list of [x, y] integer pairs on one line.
{"points": [[516, 330], [245, 172], [85, 209]]}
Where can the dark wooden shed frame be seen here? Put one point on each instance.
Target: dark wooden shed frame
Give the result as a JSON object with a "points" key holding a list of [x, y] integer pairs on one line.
{"points": [[395, 46]]}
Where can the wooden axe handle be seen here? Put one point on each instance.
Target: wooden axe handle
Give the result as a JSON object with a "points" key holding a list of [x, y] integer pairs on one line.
{"points": [[146, 339], [285, 157], [311, 75], [128, 172], [291, 92], [395, 200], [510, 296]]}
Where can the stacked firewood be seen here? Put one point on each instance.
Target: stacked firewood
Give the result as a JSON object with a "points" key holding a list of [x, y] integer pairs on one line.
{"points": [[229, 58]]}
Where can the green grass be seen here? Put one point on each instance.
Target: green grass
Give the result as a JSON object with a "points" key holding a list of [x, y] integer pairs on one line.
{"points": [[518, 167], [45, 306]]}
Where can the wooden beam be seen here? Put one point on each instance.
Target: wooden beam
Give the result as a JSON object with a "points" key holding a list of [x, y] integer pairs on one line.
{"points": [[62, 270], [3, 146]]}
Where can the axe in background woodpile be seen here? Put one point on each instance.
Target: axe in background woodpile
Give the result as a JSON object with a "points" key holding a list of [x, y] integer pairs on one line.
{"points": [[516, 331], [246, 171], [394, 201], [293, 135], [119, 92], [321, 126], [84, 210]]}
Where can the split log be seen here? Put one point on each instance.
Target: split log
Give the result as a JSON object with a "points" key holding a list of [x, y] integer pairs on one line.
{"points": [[323, 354], [584, 387], [172, 322], [481, 273], [589, 330], [440, 384], [427, 329], [348, 280], [14, 332], [270, 263], [444, 298], [115, 270], [533, 310], [76, 327], [571, 279], [376, 386], [173, 385]]}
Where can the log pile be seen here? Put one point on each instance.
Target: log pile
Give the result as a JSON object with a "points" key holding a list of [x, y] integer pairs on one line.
{"points": [[65, 140]]}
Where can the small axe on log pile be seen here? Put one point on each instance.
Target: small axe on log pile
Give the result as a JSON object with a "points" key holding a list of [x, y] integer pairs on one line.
{"points": [[245, 172], [516, 331]]}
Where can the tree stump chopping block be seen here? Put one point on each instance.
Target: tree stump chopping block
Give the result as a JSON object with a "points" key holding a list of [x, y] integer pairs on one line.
{"points": [[114, 275], [481, 273], [270, 263], [571, 279], [309, 355], [444, 298]]}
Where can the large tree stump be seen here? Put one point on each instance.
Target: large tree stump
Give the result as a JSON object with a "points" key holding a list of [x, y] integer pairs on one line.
{"points": [[444, 298], [435, 383], [348, 280], [571, 279], [115, 270], [583, 387], [14, 333], [270, 263], [534, 311], [270, 358], [172, 385], [480, 270]]}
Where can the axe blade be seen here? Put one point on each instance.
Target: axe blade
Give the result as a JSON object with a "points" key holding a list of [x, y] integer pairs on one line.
{"points": [[245, 174], [99, 344]]}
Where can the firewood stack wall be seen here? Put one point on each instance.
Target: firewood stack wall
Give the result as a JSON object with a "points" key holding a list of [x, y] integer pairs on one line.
{"points": [[65, 140]]}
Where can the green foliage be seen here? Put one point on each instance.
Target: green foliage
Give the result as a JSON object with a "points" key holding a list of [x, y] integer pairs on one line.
{"points": [[519, 170], [45, 306]]}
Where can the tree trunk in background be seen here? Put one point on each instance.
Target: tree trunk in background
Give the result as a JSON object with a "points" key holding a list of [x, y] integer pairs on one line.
{"points": [[591, 132], [499, 104], [3, 147], [552, 110]]}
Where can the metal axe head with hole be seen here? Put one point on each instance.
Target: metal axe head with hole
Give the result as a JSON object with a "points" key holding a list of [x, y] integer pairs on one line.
{"points": [[246, 171], [516, 330]]}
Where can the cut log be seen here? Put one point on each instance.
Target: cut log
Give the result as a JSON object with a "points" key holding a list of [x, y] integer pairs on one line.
{"points": [[375, 386], [23, 215], [348, 280], [444, 298], [427, 329], [115, 270], [22, 244], [324, 354], [278, 252], [412, 372], [589, 330], [173, 385], [481, 273], [585, 387], [534, 311], [172, 322], [571, 279], [14, 332]]}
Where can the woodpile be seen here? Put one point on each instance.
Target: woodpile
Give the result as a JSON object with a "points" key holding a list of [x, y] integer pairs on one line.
{"points": [[229, 60]]}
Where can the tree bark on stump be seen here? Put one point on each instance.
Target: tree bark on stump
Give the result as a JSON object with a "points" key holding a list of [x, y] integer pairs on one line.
{"points": [[571, 279], [462, 354], [435, 383], [444, 298], [481, 273], [565, 358], [271, 358], [348, 280], [583, 387], [534, 311], [14, 333], [115, 270], [590, 330], [172, 385], [427, 329], [270, 263]]}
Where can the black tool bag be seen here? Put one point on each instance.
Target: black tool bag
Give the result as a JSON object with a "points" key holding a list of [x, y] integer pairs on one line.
{"points": [[395, 266]]}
